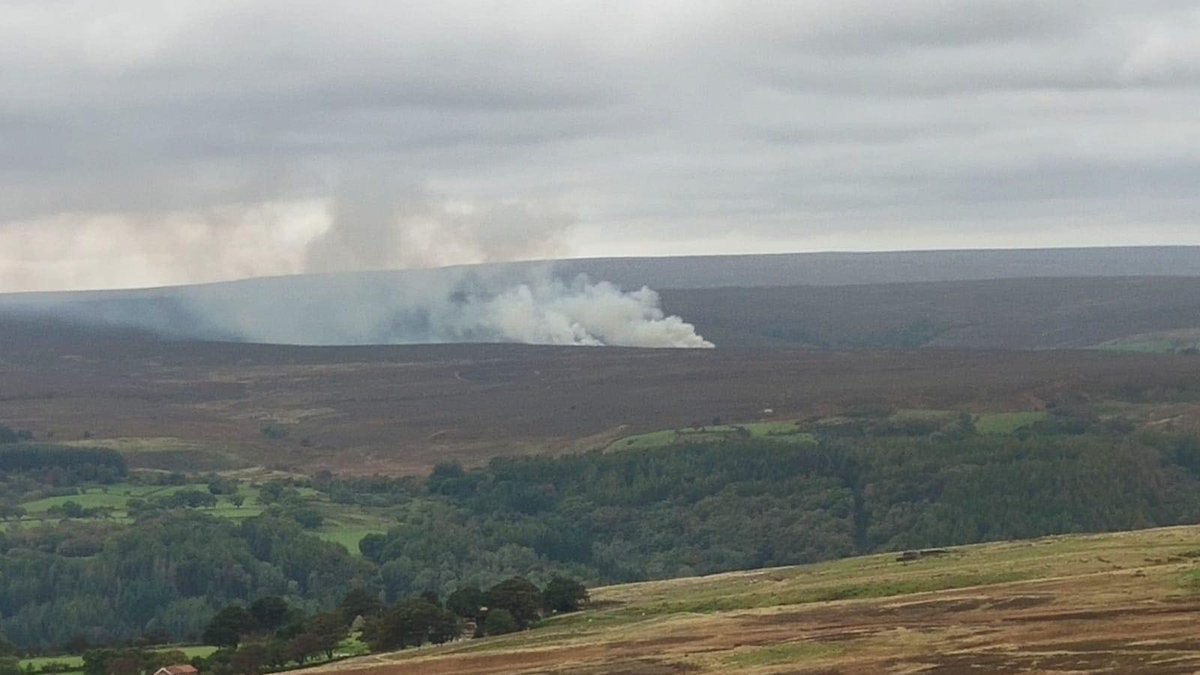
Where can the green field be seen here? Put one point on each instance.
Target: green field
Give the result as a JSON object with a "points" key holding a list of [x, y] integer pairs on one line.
{"points": [[172, 454], [1169, 342], [789, 431], [1006, 423], [117, 495], [786, 432], [344, 524], [75, 662]]}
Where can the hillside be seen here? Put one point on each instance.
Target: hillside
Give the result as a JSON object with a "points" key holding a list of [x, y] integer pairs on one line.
{"points": [[1035, 299], [1109, 603], [191, 405], [1043, 313]]}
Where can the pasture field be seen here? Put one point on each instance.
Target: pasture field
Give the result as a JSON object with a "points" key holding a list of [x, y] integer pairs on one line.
{"points": [[1007, 423], [1167, 342], [343, 524], [116, 496], [786, 432], [74, 662], [790, 431], [1121, 602]]}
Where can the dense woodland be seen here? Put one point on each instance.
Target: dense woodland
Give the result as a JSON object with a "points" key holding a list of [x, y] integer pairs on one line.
{"points": [[865, 484]]}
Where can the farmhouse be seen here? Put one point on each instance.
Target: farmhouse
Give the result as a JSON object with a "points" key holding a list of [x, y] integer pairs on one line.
{"points": [[183, 669]]}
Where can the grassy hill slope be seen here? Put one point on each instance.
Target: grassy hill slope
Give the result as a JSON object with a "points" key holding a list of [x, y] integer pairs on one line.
{"points": [[1114, 603]]}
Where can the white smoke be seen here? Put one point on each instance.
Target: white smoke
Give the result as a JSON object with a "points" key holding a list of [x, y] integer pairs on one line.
{"points": [[580, 313], [439, 306], [378, 223]]}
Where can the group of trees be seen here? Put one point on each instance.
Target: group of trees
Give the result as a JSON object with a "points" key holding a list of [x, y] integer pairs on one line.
{"points": [[270, 633], [867, 483], [61, 465], [515, 603], [169, 573], [8, 435], [129, 661], [864, 486], [181, 499]]}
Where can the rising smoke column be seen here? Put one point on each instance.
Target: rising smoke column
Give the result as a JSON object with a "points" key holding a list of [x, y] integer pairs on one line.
{"points": [[377, 224]]}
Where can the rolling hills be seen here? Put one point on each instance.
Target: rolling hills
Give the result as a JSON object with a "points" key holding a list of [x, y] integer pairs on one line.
{"points": [[1036, 299], [1035, 313], [797, 335]]}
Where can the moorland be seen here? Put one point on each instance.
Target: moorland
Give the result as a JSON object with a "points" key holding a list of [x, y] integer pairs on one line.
{"points": [[1114, 603], [149, 483]]}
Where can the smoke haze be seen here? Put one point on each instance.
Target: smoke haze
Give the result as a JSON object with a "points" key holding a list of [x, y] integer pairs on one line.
{"points": [[521, 304], [376, 222], [440, 306]]}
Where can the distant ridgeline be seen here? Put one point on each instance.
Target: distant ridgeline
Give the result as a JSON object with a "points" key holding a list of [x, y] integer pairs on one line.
{"points": [[861, 485], [1025, 299]]}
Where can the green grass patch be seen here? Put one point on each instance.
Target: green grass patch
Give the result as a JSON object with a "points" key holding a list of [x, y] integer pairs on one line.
{"points": [[353, 646], [923, 414], [1191, 580], [784, 432], [1002, 424], [1167, 342], [347, 537], [169, 454], [775, 655], [74, 662], [116, 497], [344, 524], [113, 496], [193, 651]]}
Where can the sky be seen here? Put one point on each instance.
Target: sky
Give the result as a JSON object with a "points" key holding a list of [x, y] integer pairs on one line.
{"points": [[150, 143]]}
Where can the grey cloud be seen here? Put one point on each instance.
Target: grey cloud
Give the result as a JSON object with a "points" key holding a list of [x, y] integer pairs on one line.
{"points": [[380, 223], [543, 128]]}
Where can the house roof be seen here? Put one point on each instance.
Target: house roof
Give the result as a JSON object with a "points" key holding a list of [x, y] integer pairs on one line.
{"points": [[182, 669]]}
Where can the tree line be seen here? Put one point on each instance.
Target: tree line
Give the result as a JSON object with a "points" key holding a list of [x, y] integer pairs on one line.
{"points": [[865, 485], [271, 634]]}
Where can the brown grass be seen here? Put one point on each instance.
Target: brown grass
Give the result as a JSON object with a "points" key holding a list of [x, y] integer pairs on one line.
{"points": [[1108, 603], [402, 409]]}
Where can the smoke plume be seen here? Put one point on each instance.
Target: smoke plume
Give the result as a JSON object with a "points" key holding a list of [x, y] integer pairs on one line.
{"points": [[581, 313], [376, 224], [497, 304]]}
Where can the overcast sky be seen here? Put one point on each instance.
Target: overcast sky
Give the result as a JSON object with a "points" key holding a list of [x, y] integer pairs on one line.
{"points": [[151, 142]]}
